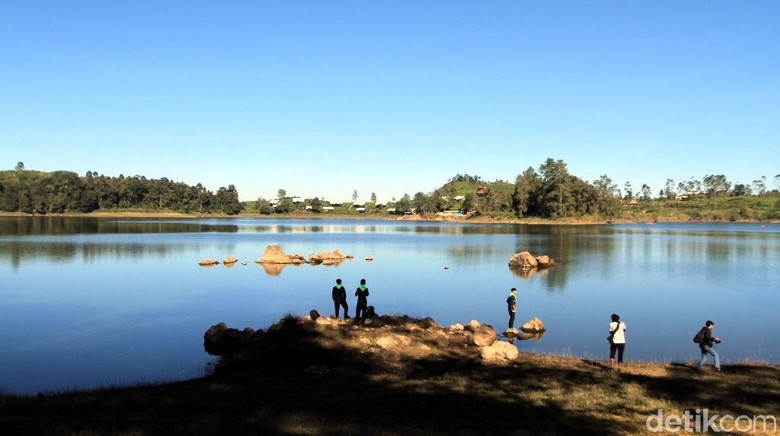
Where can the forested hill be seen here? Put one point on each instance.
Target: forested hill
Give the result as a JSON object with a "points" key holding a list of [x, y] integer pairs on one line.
{"points": [[39, 192], [550, 192]]}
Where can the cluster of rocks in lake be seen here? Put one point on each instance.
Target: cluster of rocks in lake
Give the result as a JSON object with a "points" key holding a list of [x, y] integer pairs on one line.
{"points": [[274, 255], [524, 263], [398, 335]]}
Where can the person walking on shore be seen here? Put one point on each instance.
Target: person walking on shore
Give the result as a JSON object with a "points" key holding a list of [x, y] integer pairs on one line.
{"points": [[511, 305], [617, 341], [707, 344], [362, 302], [339, 295]]}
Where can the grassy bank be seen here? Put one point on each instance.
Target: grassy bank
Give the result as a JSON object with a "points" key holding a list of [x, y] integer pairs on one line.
{"points": [[397, 376]]}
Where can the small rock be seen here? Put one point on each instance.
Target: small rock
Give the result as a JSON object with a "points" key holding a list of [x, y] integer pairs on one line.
{"points": [[456, 327], [314, 315], [229, 260]]}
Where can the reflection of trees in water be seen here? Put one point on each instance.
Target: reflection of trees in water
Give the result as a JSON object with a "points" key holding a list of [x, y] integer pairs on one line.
{"points": [[65, 252], [572, 247], [475, 255], [24, 226]]}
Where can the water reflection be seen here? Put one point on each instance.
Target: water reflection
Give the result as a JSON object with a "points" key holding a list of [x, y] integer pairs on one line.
{"points": [[59, 225]]}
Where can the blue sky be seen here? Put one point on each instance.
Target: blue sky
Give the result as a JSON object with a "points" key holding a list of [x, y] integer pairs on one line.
{"points": [[321, 98]]}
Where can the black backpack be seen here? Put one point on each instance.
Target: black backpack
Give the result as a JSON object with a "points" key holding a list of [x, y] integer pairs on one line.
{"points": [[699, 338]]}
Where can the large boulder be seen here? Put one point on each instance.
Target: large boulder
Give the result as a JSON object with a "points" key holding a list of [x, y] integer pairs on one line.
{"points": [[484, 336], [545, 261], [208, 262], [534, 325], [499, 351], [219, 339], [274, 254], [523, 260], [327, 258]]}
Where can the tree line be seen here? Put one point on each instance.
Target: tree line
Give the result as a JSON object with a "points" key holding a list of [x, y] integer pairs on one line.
{"points": [[552, 192], [37, 192]]}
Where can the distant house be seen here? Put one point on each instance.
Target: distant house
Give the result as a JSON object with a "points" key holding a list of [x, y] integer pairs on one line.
{"points": [[360, 209], [391, 210], [483, 191], [308, 207], [328, 209], [297, 200]]}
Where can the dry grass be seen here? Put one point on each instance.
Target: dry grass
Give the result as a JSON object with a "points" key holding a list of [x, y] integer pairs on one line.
{"points": [[397, 376]]}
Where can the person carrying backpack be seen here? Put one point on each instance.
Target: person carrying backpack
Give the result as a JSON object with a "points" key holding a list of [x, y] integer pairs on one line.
{"points": [[706, 343]]}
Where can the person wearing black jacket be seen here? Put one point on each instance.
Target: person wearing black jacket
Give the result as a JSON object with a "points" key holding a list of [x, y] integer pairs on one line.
{"points": [[707, 345], [511, 306], [339, 295], [361, 312]]}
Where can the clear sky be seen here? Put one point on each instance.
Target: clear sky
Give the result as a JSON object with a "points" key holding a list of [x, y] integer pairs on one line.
{"points": [[321, 98]]}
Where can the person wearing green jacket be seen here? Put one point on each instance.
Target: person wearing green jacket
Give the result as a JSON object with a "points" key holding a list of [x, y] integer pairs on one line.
{"points": [[339, 295], [362, 302]]}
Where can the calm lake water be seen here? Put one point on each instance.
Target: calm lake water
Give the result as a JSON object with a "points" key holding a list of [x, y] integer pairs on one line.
{"points": [[90, 302]]}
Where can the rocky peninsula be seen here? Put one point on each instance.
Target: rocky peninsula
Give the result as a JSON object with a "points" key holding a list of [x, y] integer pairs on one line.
{"points": [[397, 376]]}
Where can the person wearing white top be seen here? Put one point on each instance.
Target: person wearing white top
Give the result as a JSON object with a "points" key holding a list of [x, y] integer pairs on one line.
{"points": [[617, 340]]}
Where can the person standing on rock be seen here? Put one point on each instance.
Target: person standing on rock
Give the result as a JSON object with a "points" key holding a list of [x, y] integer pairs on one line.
{"points": [[617, 341], [362, 302], [511, 305], [339, 295]]}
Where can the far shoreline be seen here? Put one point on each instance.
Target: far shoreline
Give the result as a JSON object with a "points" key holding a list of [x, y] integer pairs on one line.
{"points": [[580, 221]]}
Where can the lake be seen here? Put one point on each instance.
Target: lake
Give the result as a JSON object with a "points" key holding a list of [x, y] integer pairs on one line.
{"points": [[90, 302]]}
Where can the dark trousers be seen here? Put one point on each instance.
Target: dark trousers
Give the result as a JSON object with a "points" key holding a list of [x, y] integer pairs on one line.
{"points": [[511, 319], [361, 312], [620, 348], [338, 304]]}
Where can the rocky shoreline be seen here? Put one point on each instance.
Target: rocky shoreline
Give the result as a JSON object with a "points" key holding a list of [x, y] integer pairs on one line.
{"points": [[397, 375]]}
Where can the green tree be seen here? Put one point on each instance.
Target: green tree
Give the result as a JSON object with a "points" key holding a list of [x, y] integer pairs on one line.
{"points": [[403, 204], [606, 196], [316, 205], [759, 186], [227, 200], [263, 206], [716, 184], [281, 194], [741, 189], [669, 189], [354, 195], [556, 189], [524, 197], [645, 192], [469, 201], [629, 191], [373, 197]]}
